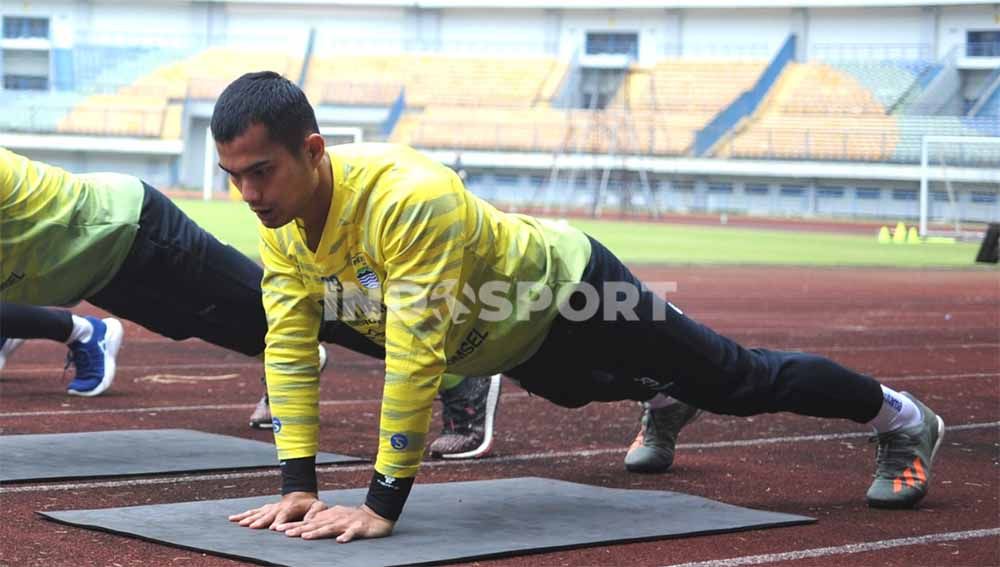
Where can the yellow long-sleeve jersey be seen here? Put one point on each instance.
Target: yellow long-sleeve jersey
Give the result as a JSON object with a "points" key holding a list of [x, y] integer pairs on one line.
{"points": [[63, 237], [413, 261]]}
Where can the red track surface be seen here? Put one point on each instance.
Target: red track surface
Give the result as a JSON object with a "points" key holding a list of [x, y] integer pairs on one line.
{"points": [[934, 333]]}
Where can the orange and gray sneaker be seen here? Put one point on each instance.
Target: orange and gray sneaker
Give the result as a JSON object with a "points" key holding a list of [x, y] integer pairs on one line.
{"points": [[261, 416], [468, 412], [903, 461], [652, 451]]}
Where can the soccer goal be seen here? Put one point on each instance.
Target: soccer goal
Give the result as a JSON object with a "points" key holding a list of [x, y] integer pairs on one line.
{"points": [[215, 180], [946, 161]]}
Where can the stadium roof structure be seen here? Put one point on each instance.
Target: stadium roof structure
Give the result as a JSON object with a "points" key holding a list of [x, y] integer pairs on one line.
{"points": [[614, 4]]}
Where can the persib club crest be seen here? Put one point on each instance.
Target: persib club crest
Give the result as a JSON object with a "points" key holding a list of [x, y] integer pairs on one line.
{"points": [[368, 278]]}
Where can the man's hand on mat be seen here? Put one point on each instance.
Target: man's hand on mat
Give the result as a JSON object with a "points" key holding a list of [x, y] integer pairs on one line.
{"points": [[344, 522], [293, 506]]}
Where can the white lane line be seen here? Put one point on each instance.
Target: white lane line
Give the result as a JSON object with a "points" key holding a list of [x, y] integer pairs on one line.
{"points": [[843, 549], [207, 407], [886, 348], [506, 397], [46, 368], [39, 368], [921, 377], [435, 464]]}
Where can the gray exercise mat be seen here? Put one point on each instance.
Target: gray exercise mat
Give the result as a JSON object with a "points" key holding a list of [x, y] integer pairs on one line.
{"points": [[443, 523], [96, 454]]}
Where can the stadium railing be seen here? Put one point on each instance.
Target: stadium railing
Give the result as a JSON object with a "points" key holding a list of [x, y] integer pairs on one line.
{"points": [[833, 52]]}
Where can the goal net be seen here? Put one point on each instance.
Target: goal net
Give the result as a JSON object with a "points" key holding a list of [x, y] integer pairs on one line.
{"points": [[959, 185]]}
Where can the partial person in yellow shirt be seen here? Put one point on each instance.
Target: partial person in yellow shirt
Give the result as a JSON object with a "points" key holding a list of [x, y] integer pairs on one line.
{"points": [[389, 242]]}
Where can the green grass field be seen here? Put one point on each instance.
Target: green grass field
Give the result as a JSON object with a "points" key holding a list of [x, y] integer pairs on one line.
{"points": [[672, 244], [230, 222]]}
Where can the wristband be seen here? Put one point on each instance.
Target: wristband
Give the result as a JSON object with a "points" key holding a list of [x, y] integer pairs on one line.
{"points": [[387, 495], [298, 475]]}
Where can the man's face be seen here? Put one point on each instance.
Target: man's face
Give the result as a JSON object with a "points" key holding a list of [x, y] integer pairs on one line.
{"points": [[275, 183]]}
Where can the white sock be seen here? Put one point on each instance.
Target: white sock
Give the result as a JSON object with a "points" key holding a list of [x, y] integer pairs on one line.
{"points": [[897, 412], [660, 401], [82, 330]]}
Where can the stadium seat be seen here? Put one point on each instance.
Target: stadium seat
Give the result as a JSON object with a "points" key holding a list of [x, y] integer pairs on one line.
{"points": [[815, 111], [434, 79]]}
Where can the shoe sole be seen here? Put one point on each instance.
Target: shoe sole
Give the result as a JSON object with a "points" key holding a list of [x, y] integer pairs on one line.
{"points": [[9, 346], [897, 505], [261, 425], [323, 358], [650, 469], [484, 448], [937, 444], [112, 343]]}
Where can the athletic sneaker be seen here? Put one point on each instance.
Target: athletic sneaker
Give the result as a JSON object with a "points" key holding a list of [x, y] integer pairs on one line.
{"points": [[904, 459], [652, 451], [7, 348], [95, 359], [261, 416], [468, 414]]}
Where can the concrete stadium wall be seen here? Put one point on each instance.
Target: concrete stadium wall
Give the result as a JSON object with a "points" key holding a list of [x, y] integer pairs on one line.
{"points": [[768, 196], [650, 25], [157, 170], [376, 28], [874, 28], [750, 32], [756, 32], [954, 21], [537, 30]]}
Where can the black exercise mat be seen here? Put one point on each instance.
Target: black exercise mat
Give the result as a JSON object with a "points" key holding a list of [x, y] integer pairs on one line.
{"points": [[443, 523], [133, 452]]}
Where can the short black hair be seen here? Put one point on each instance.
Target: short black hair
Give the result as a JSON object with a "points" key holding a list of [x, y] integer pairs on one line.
{"points": [[267, 98]]}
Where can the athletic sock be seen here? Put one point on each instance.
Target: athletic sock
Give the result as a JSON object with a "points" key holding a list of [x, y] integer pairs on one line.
{"points": [[897, 412], [82, 330]]}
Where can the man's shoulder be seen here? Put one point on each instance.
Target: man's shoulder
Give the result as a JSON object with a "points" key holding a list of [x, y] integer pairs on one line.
{"points": [[386, 161]]}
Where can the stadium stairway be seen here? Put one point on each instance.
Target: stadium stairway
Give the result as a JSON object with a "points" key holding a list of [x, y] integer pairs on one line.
{"points": [[816, 111]]}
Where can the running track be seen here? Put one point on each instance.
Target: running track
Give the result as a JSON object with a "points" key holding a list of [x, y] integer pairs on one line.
{"points": [[934, 333]]}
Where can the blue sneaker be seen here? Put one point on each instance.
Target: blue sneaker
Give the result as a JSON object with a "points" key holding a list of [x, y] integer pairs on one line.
{"points": [[95, 359], [7, 348]]}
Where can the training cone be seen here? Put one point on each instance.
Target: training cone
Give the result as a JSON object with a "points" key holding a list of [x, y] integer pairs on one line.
{"points": [[912, 236], [883, 235], [899, 235]]}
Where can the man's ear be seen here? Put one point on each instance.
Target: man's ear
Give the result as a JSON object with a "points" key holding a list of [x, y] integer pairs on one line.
{"points": [[315, 147]]}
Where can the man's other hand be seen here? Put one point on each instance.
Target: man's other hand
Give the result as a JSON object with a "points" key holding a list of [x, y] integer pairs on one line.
{"points": [[343, 522], [292, 507]]}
